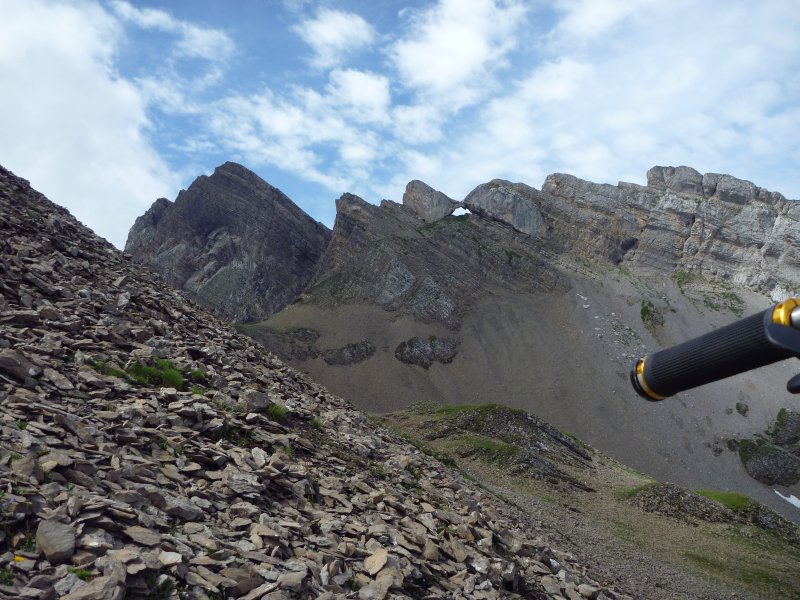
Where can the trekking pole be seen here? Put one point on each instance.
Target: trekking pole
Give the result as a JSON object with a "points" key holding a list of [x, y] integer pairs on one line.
{"points": [[755, 341]]}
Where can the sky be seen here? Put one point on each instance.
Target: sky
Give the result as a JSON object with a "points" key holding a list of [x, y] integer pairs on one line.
{"points": [[106, 105]]}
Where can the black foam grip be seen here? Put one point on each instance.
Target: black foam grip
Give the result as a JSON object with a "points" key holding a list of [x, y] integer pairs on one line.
{"points": [[732, 349]]}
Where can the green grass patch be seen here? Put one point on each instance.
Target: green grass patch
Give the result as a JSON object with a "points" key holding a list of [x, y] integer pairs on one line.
{"points": [[444, 410], [682, 279], [6, 578], [650, 315], [723, 300], [627, 493], [83, 574], [161, 372], [490, 447], [316, 423], [425, 449], [732, 500], [737, 571], [754, 448], [197, 375], [104, 368], [276, 412]]}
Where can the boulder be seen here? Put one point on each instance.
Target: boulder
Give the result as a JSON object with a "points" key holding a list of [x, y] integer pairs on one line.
{"points": [[514, 204], [56, 540], [425, 202]]}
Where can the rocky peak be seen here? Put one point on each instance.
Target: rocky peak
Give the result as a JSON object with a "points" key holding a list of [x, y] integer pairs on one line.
{"points": [[726, 188], [428, 204], [235, 243], [513, 203]]}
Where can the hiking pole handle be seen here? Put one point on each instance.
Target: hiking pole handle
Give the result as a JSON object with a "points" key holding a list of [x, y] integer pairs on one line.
{"points": [[747, 344]]}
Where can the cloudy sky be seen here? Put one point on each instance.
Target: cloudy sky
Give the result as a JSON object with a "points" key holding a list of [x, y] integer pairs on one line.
{"points": [[107, 105]]}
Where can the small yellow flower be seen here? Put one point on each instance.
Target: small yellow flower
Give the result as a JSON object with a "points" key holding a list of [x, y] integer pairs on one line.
{"points": [[19, 558]]}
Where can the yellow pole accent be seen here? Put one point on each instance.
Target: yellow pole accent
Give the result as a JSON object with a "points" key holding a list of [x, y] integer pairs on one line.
{"points": [[640, 377], [782, 313]]}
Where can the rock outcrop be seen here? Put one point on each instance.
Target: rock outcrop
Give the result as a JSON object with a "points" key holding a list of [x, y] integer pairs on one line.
{"points": [[425, 202], [237, 245], [712, 225], [424, 352], [514, 204], [383, 255], [147, 450]]}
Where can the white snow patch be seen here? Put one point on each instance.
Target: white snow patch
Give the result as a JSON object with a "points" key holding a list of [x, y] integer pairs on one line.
{"points": [[793, 500]]}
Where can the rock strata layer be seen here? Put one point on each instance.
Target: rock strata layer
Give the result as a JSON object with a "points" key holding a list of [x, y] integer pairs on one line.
{"points": [[711, 225], [236, 244], [147, 450]]}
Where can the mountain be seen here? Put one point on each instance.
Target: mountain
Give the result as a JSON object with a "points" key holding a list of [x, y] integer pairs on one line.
{"points": [[541, 299], [147, 450], [232, 241]]}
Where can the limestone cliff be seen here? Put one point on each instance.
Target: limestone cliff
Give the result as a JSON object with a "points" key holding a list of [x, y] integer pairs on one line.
{"points": [[712, 225], [236, 244]]}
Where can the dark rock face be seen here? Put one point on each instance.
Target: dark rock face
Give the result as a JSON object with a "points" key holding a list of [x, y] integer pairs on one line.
{"points": [[349, 354], [383, 255], [769, 464], [237, 245], [422, 352]]}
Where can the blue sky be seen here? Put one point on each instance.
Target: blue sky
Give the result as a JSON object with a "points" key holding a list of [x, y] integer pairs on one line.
{"points": [[107, 105]]}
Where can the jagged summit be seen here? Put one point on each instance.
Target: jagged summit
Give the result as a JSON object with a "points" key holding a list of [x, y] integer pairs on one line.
{"points": [[687, 180], [235, 243]]}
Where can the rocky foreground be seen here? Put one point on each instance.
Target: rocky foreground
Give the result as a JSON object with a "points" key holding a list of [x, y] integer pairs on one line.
{"points": [[147, 450]]}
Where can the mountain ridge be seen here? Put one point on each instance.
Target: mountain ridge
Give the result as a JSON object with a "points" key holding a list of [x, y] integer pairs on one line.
{"points": [[147, 450], [232, 241], [541, 299]]}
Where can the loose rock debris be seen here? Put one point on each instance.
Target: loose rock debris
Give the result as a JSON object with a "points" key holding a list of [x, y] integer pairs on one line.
{"points": [[147, 450]]}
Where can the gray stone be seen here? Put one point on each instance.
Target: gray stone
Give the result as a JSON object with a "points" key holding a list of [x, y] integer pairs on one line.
{"points": [[679, 179], [424, 352], [56, 540], [15, 364], [256, 401], [514, 204], [426, 203]]}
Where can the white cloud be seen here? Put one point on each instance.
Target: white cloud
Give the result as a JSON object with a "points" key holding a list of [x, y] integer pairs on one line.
{"points": [[194, 41], [333, 35], [592, 19], [646, 86], [67, 124], [453, 48], [365, 96], [418, 124]]}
